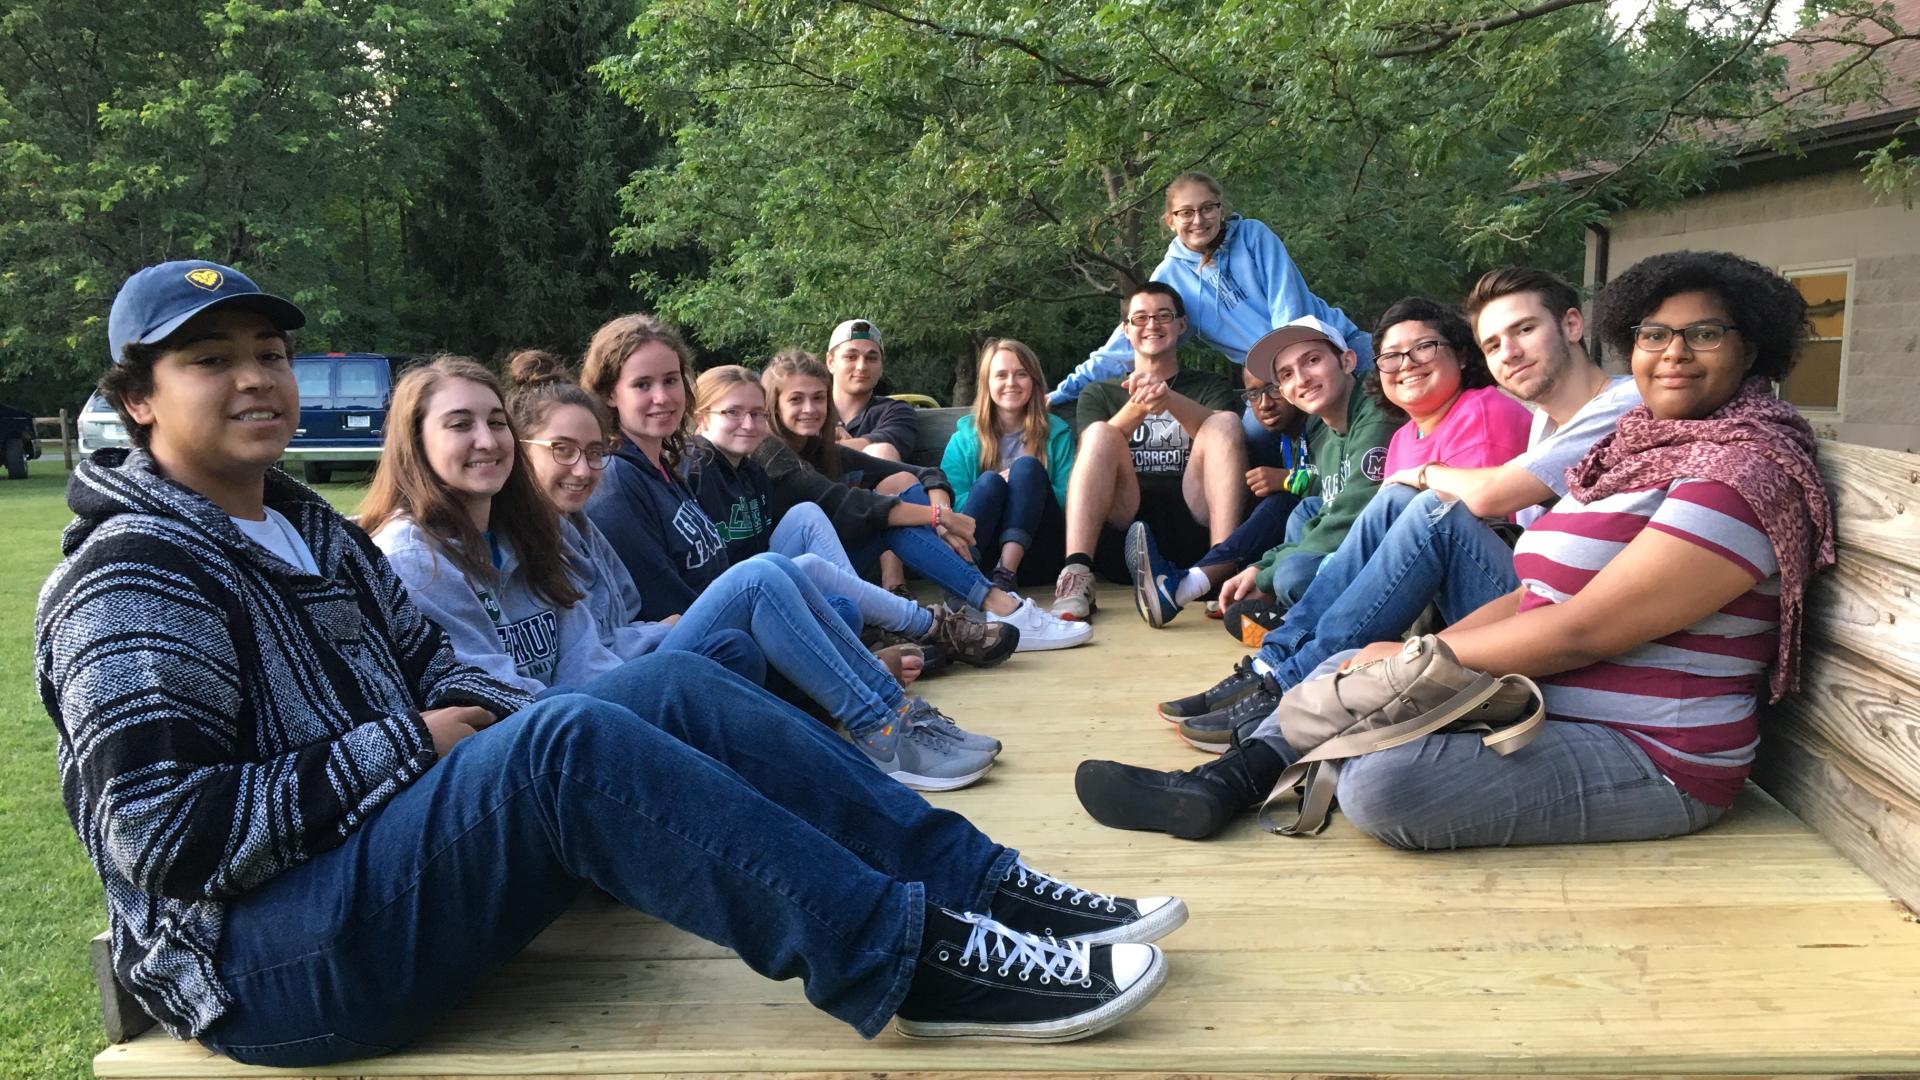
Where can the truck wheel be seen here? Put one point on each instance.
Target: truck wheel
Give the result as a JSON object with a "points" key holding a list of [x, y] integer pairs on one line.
{"points": [[316, 472], [16, 459]]}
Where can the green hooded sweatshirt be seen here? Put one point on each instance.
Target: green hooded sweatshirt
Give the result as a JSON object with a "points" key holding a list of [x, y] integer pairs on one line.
{"points": [[1351, 468]]}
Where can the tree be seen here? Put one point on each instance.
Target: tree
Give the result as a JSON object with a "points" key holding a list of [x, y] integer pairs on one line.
{"points": [[954, 168], [249, 133]]}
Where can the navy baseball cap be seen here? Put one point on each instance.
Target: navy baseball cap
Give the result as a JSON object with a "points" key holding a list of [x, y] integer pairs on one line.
{"points": [[160, 299]]}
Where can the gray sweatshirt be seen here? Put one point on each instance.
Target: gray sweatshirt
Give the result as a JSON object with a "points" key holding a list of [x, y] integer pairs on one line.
{"points": [[611, 594], [500, 627]]}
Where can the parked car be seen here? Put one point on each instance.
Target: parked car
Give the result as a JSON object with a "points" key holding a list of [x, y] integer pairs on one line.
{"points": [[17, 444], [343, 411], [100, 426]]}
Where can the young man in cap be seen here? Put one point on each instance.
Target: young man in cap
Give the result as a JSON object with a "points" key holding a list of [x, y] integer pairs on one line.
{"points": [[1309, 362], [870, 423], [1425, 539], [317, 829], [1162, 444]]}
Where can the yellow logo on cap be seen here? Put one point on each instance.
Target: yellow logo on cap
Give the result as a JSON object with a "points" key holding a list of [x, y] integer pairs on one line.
{"points": [[206, 279]]}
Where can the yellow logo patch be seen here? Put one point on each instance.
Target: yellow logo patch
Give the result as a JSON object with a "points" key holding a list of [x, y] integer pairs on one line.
{"points": [[206, 279]]}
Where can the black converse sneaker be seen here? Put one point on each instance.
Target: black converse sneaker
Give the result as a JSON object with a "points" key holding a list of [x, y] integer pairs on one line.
{"points": [[1036, 903], [980, 979], [1242, 682]]}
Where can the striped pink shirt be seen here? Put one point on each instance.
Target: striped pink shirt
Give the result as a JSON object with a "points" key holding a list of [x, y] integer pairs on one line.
{"points": [[1690, 699]]}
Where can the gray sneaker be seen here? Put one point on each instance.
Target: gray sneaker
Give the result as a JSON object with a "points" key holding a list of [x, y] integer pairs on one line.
{"points": [[922, 714], [1073, 593], [921, 758]]}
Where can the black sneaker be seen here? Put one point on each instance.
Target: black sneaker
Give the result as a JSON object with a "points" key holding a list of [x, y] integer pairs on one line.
{"points": [[1191, 805], [1249, 620], [1213, 732], [977, 978], [1038, 903], [1242, 682]]}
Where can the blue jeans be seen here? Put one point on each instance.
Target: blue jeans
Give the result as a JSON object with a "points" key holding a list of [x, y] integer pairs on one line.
{"points": [[920, 548], [1406, 550], [696, 798], [1007, 510], [735, 651], [806, 536], [803, 637], [1265, 529], [1294, 573], [1574, 783]]}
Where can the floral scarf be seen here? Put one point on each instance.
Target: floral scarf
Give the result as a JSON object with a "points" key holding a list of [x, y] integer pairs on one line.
{"points": [[1755, 444]]}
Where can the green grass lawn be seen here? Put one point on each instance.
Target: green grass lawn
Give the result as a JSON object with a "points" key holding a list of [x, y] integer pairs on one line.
{"points": [[49, 899]]}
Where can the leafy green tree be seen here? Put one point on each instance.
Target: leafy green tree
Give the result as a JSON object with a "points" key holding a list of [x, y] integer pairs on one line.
{"points": [[958, 168]]}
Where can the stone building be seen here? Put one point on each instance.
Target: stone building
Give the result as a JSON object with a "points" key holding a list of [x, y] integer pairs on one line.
{"points": [[1855, 256]]}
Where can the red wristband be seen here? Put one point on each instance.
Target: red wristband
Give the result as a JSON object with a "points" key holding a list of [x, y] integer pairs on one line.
{"points": [[936, 517]]}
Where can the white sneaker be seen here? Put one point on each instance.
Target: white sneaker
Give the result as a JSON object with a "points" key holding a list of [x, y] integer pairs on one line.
{"points": [[1040, 631]]}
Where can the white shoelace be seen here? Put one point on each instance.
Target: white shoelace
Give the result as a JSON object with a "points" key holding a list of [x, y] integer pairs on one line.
{"points": [[1065, 962], [1019, 873], [1074, 579]]}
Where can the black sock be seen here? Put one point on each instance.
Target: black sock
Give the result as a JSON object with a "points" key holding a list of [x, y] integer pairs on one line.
{"points": [[1080, 559]]}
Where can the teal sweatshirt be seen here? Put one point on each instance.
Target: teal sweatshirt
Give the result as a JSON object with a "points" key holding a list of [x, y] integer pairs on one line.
{"points": [[1351, 468], [961, 461]]}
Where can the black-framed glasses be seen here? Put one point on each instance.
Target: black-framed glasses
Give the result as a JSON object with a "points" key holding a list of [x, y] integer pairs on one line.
{"points": [[1263, 392], [1422, 353], [1701, 336], [1154, 318], [1188, 213], [737, 415], [568, 452]]}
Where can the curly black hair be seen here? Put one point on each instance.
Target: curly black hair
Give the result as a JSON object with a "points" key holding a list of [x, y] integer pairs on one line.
{"points": [[1450, 324], [1769, 312]]}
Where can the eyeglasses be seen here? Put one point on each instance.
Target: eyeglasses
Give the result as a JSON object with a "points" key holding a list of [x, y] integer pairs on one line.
{"points": [[1701, 336], [1188, 213], [1157, 318], [567, 452], [1264, 392], [1390, 362], [737, 415]]}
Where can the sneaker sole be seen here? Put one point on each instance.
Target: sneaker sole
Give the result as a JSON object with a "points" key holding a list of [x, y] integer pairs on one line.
{"points": [[1199, 744], [1050, 644], [1146, 598], [916, 782], [1183, 816], [1145, 930], [1066, 1029]]}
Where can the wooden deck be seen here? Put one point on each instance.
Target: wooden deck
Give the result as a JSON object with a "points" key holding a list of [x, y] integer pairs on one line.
{"points": [[1754, 948]]}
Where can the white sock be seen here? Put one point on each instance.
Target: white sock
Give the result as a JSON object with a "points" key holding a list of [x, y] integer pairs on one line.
{"points": [[1192, 587], [1260, 665]]}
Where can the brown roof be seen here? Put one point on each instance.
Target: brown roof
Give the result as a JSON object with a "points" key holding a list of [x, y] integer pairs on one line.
{"points": [[1813, 50]]}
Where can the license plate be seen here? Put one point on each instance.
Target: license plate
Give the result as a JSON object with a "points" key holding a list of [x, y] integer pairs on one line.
{"points": [[360, 421], [113, 432]]}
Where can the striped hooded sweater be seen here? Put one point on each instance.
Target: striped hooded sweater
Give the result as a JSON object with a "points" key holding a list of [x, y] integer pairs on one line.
{"points": [[223, 716]]}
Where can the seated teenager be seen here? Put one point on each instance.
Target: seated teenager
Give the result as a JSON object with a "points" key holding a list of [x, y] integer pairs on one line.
{"points": [[730, 409], [479, 571], [316, 829], [1424, 539], [870, 422], [1313, 366], [1008, 463], [1161, 445], [1652, 598], [1161, 589], [908, 511]]}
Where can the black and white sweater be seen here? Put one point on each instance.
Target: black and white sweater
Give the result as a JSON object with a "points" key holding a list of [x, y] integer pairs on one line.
{"points": [[223, 716]]}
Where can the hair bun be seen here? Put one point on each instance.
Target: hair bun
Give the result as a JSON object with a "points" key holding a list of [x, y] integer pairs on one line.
{"points": [[538, 367]]}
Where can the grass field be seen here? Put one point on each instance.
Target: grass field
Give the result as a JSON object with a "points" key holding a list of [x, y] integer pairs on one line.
{"points": [[49, 899]]}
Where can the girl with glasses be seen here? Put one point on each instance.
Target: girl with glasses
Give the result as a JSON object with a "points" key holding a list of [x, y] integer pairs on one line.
{"points": [[1430, 368], [1238, 284]]}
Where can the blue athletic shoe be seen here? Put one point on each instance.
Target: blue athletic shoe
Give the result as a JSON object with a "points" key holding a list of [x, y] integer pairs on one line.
{"points": [[1154, 578]]}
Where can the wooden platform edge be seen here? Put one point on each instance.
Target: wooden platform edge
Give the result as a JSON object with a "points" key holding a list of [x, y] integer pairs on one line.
{"points": [[121, 1017]]}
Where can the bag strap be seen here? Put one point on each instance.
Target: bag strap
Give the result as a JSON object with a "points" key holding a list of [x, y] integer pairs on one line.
{"points": [[1316, 774]]}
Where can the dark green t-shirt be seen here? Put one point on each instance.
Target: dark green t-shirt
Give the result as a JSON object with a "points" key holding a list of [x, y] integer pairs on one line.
{"points": [[1159, 445]]}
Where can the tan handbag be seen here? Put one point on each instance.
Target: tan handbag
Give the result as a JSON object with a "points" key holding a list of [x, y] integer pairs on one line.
{"points": [[1385, 703]]}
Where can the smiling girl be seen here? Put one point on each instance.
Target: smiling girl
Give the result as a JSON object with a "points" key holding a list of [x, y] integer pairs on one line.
{"points": [[1430, 368], [1009, 463]]}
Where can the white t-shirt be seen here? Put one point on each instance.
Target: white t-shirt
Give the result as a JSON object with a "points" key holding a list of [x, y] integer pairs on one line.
{"points": [[278, 535]]}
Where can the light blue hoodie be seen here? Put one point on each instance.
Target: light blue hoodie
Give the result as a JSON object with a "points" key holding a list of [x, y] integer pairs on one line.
{"points": [[1249, 288]]}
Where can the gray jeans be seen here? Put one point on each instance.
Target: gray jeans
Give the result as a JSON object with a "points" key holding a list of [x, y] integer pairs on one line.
{"points": [[1574, 783]]}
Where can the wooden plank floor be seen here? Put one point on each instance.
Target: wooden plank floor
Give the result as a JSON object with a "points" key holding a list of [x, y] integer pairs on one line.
{"points": [[1753, 948]]}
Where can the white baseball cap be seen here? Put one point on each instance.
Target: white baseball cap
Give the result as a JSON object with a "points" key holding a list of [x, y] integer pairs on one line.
{"points": [[1261, 357], [855, 330]]}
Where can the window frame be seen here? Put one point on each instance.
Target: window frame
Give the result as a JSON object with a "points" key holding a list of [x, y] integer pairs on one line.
{"points": [[1838, 413]]}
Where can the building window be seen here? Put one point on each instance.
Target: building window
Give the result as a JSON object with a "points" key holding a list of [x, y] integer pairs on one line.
{"points": [[1814, 383]]}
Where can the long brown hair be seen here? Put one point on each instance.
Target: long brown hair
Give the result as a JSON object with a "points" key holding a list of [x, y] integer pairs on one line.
{"points": [[540, 382], [816, 450], [404, 485], [1037, 421], [1192, 176], [607, 353]]}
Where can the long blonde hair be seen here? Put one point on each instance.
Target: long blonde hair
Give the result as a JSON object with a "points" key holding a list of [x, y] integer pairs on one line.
{"points": [[816, 450], [1036, 421], [607, 353], [405, 484]]}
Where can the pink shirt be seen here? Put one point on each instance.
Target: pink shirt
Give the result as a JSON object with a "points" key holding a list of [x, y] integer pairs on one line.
{"points": [[1485, 427]]}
